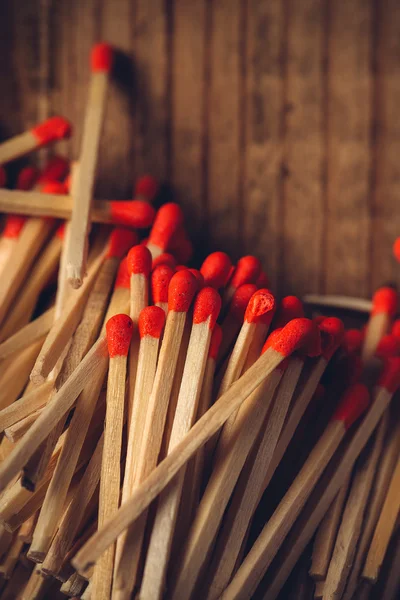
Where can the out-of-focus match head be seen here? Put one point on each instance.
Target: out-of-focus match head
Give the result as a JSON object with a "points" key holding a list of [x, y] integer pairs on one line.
{"points": [[352, 341], [54, 187], [164, 259], [262, 280], [27, 178], [121, 240], [352, 405], [396, 328], [216, 270], [13, 226], [385, 300], [123, 279], [119, 331], [52, 130], [146, 187], [216, 339], [240, 300], [139, 261], [151, 321], [55, 170], [167, 222], [3, 177], [60, 233], [182, 288], [132, 213], [160, 279], [388, 347], [260, 308], [295, 335], [181, 246], [390, 377], [200, 279], [207, 306], [102, 58], [247, 270], [290, 307], [396, 249], [332, 331]]}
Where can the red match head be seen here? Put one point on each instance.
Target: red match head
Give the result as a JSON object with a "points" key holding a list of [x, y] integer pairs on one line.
{"points": [[139, 261], [247, 270], [216, 339], [260, 308], [54, 187], [181, 246], [13, 226], [164, 259], [56, 169], [182, 288], [27, 178], [240, 300], [216, 270], [396, 249], [160, 280], [290, 307], [120, 241], [123, 279], [390, 377], [352, 405], [51, 130], [119, 331], [272, 338], [353, 341], [200, 279], [132, 213], [295, 335], [151, 322], [385, 300], [146, 187], [332, 331], [388, 347], [167, 222], [3, 176], [262, 280], [206, 306], [396, 328], [102, 58], [60, 233]]}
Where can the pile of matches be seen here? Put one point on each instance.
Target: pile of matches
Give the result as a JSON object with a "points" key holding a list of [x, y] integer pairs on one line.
{"points": [[175, 433]]}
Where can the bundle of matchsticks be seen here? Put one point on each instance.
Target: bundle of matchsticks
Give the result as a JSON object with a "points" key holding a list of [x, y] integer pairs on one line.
{"points": [[168, 432]]}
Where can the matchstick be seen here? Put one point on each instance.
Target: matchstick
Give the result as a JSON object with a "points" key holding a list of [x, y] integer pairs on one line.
{"points": [[166, 225], [291, 337], [339, 302], [234, 318], [216, 270], [181, 246], [119, 332], [160, 280], [247, 270], [164, 259], [146, 188], [28, 334], [182, 289], [205, 312], [23, 407], [48, 132], [384, 307], [101, 64], [9, 238]]}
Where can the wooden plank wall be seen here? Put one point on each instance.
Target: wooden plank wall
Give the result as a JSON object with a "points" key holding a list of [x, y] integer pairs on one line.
{"points": [[276, 122]]}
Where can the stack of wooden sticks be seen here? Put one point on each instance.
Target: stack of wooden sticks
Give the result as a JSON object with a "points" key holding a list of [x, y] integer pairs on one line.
{"points": [[168, 432]]}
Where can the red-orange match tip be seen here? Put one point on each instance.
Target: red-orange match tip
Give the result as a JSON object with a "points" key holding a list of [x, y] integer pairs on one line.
{"points": [[164, 259], [13, 226], [200, 279], [151, 321], [146, 187], [144, 241], [167, 222], [352, 405], [55, 128], [182, 268], [396, 328], [260, 308], [182, 288], [332, 331], [352, 341], [396, 249], [390, 378], [27, 178], [123, 279], [262, 280], [54, 187], [216, 269], [293, 336], [216, 339], [102, 57], [207, 306], [133, 213], [385, 300], [139, 261], [388, 347], [119, 331], [247, 270], [313, 345], [160, 280], [56, 169], [290, 307], [240, 300], [181, 246], [120, 241], [272, 338], [3, 177], [60, 233]]}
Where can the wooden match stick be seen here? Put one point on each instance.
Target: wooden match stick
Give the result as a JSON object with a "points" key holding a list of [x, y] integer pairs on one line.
{"points": [[384, 307], [23, 407], [338, 302], [205, 312], [160, 279], [9, 238], [146, 188], [234, 318], [48, 132], [166, 224], [353, 403], [28, 334], [292, 336], [119, 333], [182, 289], [101, 64], [247, 270], [165, 259]]}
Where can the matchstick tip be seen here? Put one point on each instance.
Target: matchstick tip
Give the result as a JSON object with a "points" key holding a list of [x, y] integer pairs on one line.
{"points": [[290, 307], [56, 169], [164, 259], [200, 279], [121, 239], [147, 187], [390, 377], [388, 347], [385, 300], [102, 58], [181, 246], [260, 308], [52, 130], [132, 213], [396, 249], [182, 288], [139, 261], [396, 328], [167, 222], [293, 336], [119, 329], [151, 321], [332, 332], [60, 233], [27, 178], [216, 339], [240, 300], [74, 276], [13, 226], [207, 306], [216, 270], [123, 279], [160, 280], [352, 405], [247, 270], [262, 280], [54, 187], [352, 341]]}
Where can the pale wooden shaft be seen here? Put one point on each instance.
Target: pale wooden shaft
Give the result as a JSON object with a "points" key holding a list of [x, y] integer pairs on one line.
{"points": [[14, 373], [28, 334], [18, 146], [7, 247], [377, 326], [25, 406]]}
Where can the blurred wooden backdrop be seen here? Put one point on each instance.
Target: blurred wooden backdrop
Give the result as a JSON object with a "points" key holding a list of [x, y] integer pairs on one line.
{"points": [[276, 121]]}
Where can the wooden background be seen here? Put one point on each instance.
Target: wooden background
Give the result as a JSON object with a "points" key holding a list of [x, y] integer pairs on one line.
{"points": [[276, 121]]}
